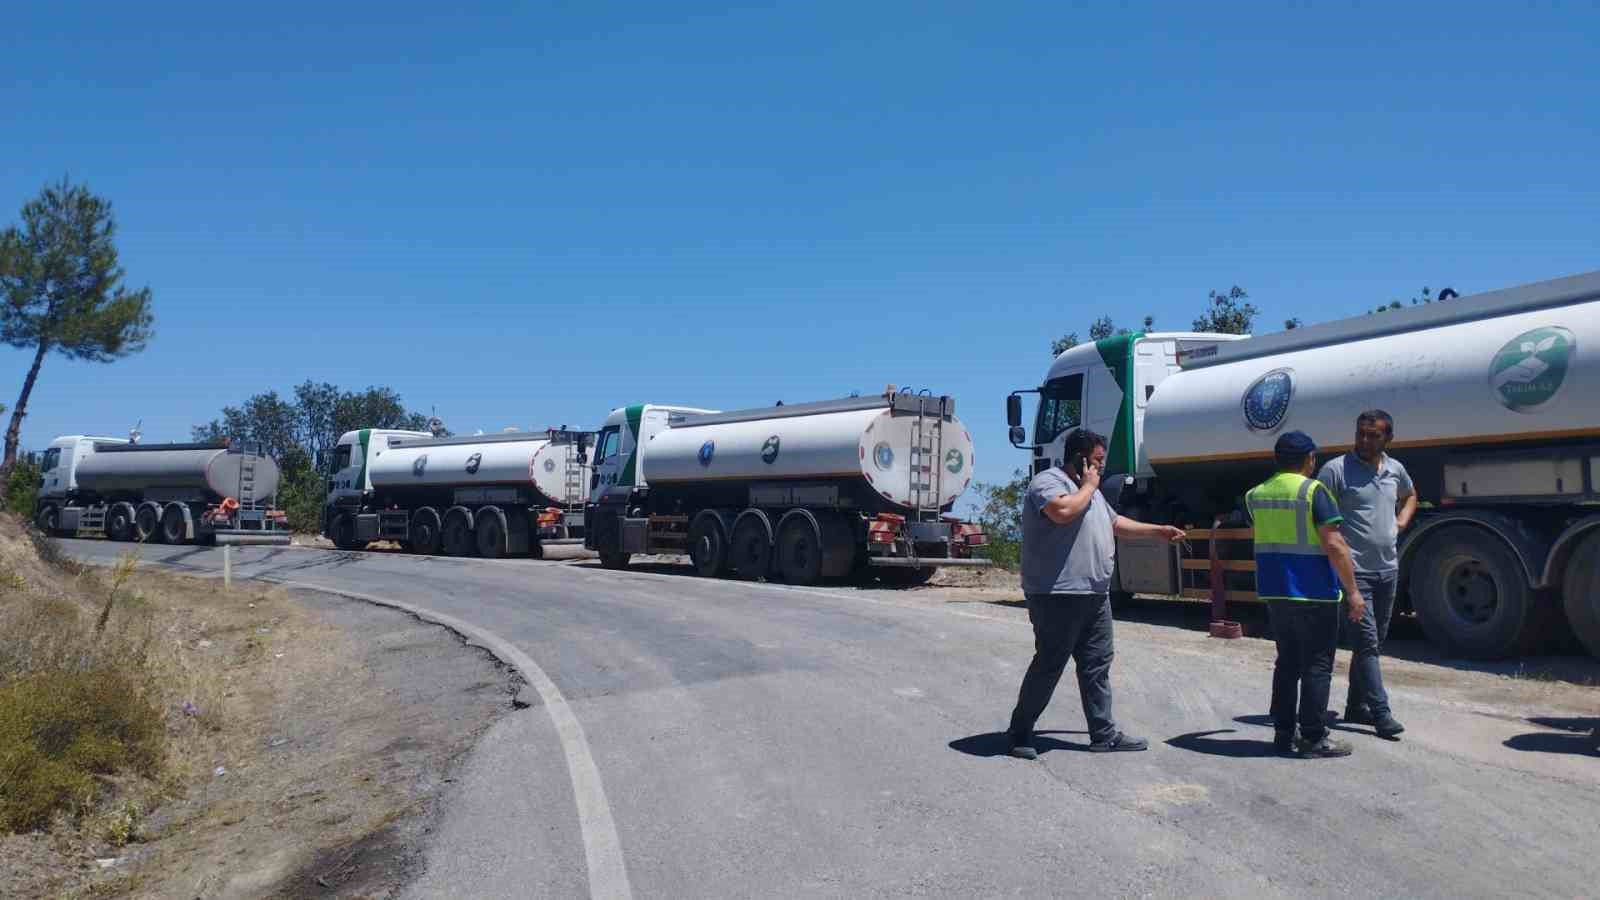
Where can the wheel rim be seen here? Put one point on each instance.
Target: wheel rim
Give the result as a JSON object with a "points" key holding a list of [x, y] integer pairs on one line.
{"points": [[1471, 591], [427, 537], [751, 551], [799, 552], [144, 523], [705, 549]]}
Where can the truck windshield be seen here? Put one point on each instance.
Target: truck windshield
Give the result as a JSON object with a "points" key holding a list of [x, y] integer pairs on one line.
{"points": [[52, 458], [341, 457], [1060, 408]]}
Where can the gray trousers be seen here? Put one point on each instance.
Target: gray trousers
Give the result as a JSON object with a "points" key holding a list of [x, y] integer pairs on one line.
{"points": [[1076, 626], [1365, 640]]}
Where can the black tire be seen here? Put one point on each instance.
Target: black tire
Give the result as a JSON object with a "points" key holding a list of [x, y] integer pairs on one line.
{"points": [[535, 550], [424, 532], [172, 530], [119, 522], [906, 577], [708, 547], [1472, 597], [146, 524], [614, 559], [49, 520], [455, 538], [344, 534], [1580, 588], [491, 534], [750, 553], [799, 552]]}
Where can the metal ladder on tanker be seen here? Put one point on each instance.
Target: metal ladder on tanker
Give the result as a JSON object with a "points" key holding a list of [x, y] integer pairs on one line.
{"points": [[926, 459]]}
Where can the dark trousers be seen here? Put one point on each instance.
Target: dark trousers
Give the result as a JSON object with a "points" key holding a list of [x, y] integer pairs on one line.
{"points": [[1365, 639], [1067, 625], [1307, 634]]}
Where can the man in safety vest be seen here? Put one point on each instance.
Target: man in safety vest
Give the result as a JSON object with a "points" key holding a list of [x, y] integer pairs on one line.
{"points": [[1301, 562]]}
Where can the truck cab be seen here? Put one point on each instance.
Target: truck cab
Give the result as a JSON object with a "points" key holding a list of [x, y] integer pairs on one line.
{"points": [[1105, 386], [349, 479], [58, 468], [619, 467]]}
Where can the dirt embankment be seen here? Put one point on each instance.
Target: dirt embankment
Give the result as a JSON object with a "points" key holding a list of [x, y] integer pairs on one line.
{"points": [[307, 740]]}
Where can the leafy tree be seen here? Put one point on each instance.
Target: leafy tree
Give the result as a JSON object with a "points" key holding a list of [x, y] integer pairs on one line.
{"points": [[1227, 313], [1149, 323], [1292, 324], [61, 289], [22, 487], [1064, 343], [1102, 328], [1001, 517]]}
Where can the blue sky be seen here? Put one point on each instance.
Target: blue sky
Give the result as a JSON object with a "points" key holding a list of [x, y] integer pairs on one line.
{"points": [[531, 213]]}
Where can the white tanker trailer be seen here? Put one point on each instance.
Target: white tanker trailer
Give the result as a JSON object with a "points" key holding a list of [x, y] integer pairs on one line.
{"points": [[174, 493], [805, 491], [1497, 419], [492, 495]]}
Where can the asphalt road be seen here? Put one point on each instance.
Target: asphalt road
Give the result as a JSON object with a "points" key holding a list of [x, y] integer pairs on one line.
{"points": [[760, 740]]}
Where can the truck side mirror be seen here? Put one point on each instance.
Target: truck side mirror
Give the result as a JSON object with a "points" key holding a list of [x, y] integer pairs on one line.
{"points": [[1014, 415]]}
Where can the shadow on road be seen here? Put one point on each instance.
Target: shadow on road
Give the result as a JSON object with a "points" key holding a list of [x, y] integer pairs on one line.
{"points": [[1233, 748], [998, 743], [1574, 735]]}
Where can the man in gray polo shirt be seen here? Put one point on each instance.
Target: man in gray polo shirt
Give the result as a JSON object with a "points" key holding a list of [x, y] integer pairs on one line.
{"points": [[1069, 548], [1377, 500]]}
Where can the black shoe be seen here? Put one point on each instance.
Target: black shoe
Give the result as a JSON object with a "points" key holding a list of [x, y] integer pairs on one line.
{"points": [[1120, 743], [1358, 715], [1024, 751], [1283, 742], [1387, 726], [1327, 748]]}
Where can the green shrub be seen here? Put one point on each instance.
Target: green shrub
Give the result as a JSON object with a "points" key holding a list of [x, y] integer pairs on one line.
{"points": [[59, 730], [22, 488]]}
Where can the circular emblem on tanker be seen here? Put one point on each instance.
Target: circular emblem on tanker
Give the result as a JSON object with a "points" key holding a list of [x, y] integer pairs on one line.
{"points": [[1529, 369], [549, 465], [883, 455], [420, 466], [707, 450], [954, 460], [769, 450], [1266, 400], [473, 462]]}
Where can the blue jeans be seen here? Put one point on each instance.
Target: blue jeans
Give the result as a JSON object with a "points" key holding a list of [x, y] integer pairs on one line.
{"points": [[1365, 639]]}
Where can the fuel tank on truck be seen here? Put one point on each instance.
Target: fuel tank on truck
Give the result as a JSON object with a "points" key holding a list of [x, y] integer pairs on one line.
{"points": [[516, 459], [864, 439], [1500, 369], [135, 469]]}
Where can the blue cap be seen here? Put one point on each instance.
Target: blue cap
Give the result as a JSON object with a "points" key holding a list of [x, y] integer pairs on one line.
{"points": [[1294, 443]]}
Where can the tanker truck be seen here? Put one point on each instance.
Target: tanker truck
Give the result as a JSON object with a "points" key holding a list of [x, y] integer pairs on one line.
{"points": [[494, 495], [1496, 402], [171, 493], [858, 486]]}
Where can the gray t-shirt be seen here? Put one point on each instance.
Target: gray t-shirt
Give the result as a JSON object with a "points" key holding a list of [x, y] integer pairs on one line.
{"points": [[1368, 498], [1065, 559]]}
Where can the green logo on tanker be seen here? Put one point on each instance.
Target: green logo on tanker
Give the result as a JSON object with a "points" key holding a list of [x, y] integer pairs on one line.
{"points": [[954, 460], [1529, 369]]}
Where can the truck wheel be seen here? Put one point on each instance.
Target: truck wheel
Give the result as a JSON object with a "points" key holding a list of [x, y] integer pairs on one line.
{"points": [[1472, 598], [799, 552], [491, 537], [145, 523], [48, 520], [119, 522], [750, 553], [708, 547], [344, 534], [172, 530], [1580, 588], [455, 538], [614, 559], [906, 577], [425, 532]]}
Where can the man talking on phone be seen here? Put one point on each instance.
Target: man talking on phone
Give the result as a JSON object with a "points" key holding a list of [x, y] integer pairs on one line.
{"points": [[1069, 547]]}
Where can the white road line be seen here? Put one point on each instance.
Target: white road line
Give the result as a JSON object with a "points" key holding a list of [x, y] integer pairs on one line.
{"points": [[608, 874]]}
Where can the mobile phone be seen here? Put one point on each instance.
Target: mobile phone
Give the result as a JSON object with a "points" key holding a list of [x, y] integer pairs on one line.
{"points": [[1077, 466]]}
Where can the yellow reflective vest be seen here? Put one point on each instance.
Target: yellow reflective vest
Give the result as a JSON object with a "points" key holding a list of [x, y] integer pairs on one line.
{"points": [[1290, 562]]}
